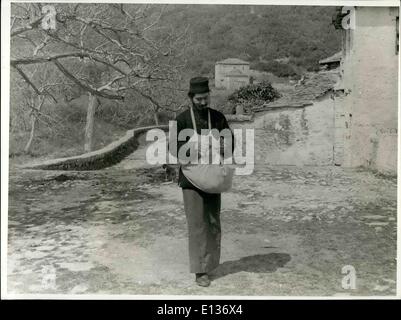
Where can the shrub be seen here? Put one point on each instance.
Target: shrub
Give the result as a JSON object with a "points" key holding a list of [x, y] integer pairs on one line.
{"points": [[260, 92]]}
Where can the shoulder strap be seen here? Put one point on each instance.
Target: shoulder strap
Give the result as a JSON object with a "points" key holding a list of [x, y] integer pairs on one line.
{"points": [[193, 119]]}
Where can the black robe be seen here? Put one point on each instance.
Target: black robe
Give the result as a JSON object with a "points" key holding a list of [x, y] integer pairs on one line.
{"points": [[202, 209]]}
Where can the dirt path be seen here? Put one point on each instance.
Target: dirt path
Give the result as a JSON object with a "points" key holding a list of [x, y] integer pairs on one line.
{"points": [[286, 231]]}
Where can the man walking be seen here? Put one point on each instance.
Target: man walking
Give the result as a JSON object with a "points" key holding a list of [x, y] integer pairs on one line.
{"points": [[202, 209]]}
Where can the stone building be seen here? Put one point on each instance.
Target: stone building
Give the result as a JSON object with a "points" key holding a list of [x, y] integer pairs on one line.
{"points": [[231, 74], [297, 129], [366, 102], [346, 115]]}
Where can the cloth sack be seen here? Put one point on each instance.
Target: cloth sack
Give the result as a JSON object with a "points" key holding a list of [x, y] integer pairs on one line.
{"points": [[214, 177]]}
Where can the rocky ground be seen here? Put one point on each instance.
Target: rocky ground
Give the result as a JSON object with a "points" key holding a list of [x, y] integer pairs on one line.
{"points": [[285, 231]]}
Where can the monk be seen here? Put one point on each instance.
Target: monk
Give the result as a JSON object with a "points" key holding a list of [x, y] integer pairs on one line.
{"points": [[202, 209]]}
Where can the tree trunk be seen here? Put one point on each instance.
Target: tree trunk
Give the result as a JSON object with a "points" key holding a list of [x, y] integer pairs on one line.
{"points": [[34, 118], [90, 119], [156, 117]]}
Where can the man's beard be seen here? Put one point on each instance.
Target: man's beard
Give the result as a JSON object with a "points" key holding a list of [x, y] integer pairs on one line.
{"points": [[200, 108]]}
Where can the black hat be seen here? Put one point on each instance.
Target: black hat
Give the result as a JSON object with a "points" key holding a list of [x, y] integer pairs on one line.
{"points": [[199, 85]]}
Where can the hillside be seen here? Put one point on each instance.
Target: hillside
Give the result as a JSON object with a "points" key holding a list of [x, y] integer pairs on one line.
{"points": [[298, 36]]}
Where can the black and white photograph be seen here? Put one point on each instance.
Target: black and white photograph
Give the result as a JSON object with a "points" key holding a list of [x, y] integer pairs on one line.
{"points": [[200, 150]]}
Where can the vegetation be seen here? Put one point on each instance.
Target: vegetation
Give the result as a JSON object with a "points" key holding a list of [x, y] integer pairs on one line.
{"points": [[252, 95], [299, 35], [106, 68], [261, 92], [277, 68]]}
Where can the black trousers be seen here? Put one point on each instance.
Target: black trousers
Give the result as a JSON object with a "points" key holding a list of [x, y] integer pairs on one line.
{"points": [[204, 230]]}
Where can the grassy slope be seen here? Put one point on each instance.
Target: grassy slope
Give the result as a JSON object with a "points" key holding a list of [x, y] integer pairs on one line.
{"points": [[66, 143]]}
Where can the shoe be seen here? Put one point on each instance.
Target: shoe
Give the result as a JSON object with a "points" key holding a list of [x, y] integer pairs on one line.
{"points": [[202, 279]]}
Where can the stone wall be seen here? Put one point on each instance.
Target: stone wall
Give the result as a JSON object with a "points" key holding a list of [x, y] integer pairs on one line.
{"points": [[110, 155], [341, 132], [236, 82], [370, 82], [294, 136]]}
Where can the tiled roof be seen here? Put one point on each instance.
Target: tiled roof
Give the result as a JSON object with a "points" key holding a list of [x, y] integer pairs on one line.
{"points": [[334, 58], [232, 61], [312, 87]]}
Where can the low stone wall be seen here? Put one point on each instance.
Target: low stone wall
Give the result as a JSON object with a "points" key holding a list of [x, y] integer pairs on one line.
{"points": [[238, 117], [294, 136], [283, 136], [99, 159]]}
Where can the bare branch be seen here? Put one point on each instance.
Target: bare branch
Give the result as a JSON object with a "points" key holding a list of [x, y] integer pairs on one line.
{"points": [[126, 12], [76, 46], [50, 95], [151, 99], [156, 21], [15, 4], [56, 84], [76, 8], [81, 34], [27, 80], [35, 110], [96, 24], [86, 87], [25, 37], [62, 56], [12, 22], [108, 85], [30, 26], [47, 59], [41, 46], [101, 45]]}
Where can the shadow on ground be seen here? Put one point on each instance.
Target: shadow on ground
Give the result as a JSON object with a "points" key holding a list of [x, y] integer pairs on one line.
{"points": [[259, 263]]}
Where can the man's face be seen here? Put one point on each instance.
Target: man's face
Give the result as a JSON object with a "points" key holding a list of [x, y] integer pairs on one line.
{"points": [[201, 100]]}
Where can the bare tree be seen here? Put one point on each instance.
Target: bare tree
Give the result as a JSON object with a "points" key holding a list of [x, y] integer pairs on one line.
{"points": [[110, 51], [34, 117]]}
